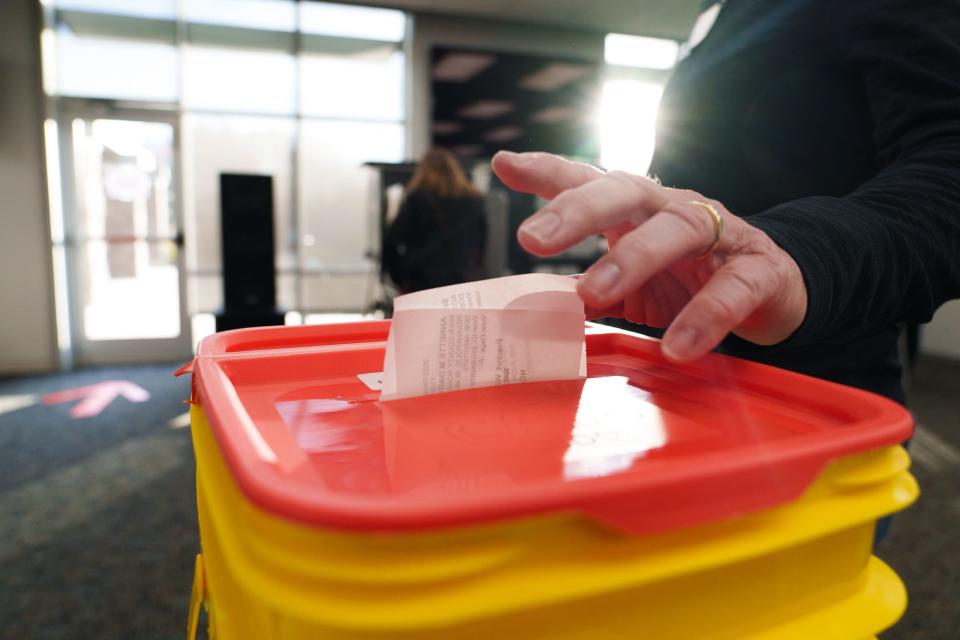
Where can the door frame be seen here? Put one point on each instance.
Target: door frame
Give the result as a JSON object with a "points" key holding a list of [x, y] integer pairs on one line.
{"points": [[101, 352]]}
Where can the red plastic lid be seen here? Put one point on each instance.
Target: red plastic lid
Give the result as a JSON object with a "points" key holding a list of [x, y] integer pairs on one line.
{"points": [[642, 445]]}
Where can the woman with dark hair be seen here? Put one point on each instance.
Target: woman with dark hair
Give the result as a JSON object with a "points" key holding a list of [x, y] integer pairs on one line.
{"points": [[439, 236]]}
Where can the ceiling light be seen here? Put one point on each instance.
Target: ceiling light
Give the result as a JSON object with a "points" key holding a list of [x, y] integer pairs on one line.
{"points": [[640, 51], [553, 115], [442, 128], [484, 109], [556, 75], [460, 67], [503, 134]]}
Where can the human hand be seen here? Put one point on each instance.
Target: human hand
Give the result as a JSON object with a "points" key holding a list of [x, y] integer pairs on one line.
{"points": [[654, 272]]}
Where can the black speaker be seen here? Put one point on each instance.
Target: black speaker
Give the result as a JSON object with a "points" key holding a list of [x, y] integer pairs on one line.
{"points": [[246, 233]]}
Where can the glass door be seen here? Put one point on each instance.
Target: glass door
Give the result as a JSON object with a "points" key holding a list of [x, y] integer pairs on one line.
{"points": [[124, 244]]}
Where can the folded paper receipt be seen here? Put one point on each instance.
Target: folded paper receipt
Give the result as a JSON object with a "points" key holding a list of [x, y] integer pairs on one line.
{"points": [[522, 328]]}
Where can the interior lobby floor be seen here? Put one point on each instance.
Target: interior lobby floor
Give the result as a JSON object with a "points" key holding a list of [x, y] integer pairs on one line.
{"points": [[98, 515]]}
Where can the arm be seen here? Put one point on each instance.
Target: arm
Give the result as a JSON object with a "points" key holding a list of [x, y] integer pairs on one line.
{"points": [[890, 250]]}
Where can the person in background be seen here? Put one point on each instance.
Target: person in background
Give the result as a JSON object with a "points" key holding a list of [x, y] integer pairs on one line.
{"points": [[808, 194], [439, 235]]}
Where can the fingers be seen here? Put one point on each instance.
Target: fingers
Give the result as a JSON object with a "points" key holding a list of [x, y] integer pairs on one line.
{"points": [[675, 233], [730, 296], [544, 174], [616, 311], [590, 209], [669, 228]]}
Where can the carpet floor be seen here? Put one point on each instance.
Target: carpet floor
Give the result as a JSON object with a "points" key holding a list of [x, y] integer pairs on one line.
{"points": [[98, 515]]}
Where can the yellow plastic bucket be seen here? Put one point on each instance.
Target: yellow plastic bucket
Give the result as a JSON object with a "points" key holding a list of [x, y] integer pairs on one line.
{"points": [[801, 569]]}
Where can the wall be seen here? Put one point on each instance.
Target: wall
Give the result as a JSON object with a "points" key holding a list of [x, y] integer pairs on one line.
{"points": [[27, 320], [942, 336], [430, 30]]}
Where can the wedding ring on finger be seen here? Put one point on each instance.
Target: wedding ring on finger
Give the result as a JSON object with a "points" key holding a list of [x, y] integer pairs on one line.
{"points": [[717, 225]]}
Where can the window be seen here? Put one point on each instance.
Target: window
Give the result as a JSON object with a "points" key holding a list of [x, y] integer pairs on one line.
{"points": [[140, 8], [363, 85], [326, 18], [216, 144], [334, 188], [270, 15], [121, 68], [305, 92], [238, 80]]}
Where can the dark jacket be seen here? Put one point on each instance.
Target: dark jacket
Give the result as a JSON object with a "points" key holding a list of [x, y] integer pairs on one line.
{"points": [[435, 242], [835, 128]]}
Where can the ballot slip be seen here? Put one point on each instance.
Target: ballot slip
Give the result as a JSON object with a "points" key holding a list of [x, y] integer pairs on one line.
{"points": [[523, 328]]}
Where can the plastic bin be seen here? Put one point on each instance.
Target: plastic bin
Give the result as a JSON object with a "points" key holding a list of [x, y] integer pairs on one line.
{"points": [[720, 499]]}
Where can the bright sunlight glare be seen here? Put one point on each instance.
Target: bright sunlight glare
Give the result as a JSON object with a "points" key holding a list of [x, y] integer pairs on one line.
{"points": [[628, 113]]}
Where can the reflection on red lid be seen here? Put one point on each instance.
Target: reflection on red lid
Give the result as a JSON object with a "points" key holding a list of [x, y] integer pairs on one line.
{"points": [[641, 445]]}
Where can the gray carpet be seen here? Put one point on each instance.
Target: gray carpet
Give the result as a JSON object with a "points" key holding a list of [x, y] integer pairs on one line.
{"points": [[97, 515], [98, 519], [924, 544]]}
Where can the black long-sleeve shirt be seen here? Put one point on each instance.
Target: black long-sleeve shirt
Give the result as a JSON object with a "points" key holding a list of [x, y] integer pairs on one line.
{"points": [[436, 241], [835, 128]]}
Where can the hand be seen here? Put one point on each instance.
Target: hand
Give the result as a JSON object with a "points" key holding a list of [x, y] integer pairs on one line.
{"points": [[654, 272]]}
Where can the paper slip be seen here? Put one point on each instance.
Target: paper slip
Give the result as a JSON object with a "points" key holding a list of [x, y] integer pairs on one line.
{"points": [[516, 329]]}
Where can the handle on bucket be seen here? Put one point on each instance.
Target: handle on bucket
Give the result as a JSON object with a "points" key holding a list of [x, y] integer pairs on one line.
{"points": [[197, 594]]}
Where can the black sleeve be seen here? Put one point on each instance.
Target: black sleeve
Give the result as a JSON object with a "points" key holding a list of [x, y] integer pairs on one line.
{"points": [[890, 250]]}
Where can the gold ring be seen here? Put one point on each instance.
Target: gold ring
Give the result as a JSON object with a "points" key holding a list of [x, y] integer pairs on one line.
{"points": [[717, 225]]}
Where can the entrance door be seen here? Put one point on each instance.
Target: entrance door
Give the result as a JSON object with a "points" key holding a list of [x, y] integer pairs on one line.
{"points": [[125, 282]]}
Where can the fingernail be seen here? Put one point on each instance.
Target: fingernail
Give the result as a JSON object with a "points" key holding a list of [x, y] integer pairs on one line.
{"points": [[541, 227], [603, 278], [681, 345]]}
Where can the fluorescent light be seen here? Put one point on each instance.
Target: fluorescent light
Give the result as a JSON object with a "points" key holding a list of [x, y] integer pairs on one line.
{"points": [[460, 67], [468, 150], [640, 51], [554, 76], [503, 134], [443, 128], [484, 109], [553, 115]]}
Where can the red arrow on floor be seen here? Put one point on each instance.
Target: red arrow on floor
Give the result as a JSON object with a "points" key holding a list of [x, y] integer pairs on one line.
{"points": [[94, 398]]}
